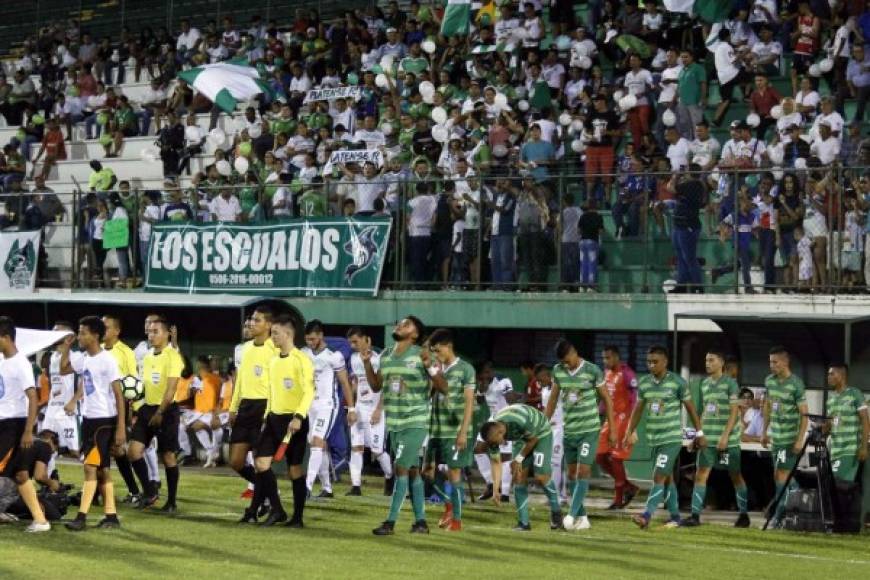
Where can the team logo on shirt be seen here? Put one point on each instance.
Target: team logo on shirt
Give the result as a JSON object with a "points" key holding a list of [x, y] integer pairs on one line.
{"points": [[288, 383], [258, 370], [20, 264], [363, 249]]}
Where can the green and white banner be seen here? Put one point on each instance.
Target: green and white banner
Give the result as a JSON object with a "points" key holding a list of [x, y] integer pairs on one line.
{"points": [[457, 15], [353, 92], [306, 257], [19, 252]]}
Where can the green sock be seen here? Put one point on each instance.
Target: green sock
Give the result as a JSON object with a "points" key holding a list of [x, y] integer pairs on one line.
{"points": [[780, 507], [521, 497], [581, 486], [742, 498], [400, 490], [673, 501], [698, 495], [552, 496], [457, 493], [438, 486], [654, 498], [418, 498]]}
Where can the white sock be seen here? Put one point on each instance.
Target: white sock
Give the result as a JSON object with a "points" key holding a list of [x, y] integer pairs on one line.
{"points": [[249, 460], [315, 458], [218, 437], [484, 467], [205, 440], [151, 460], [325, 465], [386, 466], [557, 476], [356, 465], [505, 478], [184, 440]]}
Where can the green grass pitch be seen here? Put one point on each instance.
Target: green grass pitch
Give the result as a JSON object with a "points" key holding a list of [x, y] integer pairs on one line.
{"points": [[204, 541]]}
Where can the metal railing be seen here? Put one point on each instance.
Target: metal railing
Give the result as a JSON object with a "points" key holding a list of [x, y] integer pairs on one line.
{"points": [[642, 248]]}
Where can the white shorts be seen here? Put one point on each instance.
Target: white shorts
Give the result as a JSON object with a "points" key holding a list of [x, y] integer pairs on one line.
{"points": [[558, 446], [67, 429], [321, 419], [189, 417], [364, 434], [224, 417]]}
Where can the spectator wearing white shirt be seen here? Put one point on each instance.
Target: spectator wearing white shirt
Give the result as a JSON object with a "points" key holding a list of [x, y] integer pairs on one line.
{"points": [[729, 72], [831, 117], [422, 211], [790, 116], [678, 150], [68, 109], [367, 187], [766, 52], [825, 147], [393, 47], [839, 48], [553, 72], [299, 85], [704, 149], [370, 134], [574, 87], [506, 24], [226, 207], [667, 92], [153, 102], [187, 44], [638, 82], [807, 99], [533, 25], [342, 115]]}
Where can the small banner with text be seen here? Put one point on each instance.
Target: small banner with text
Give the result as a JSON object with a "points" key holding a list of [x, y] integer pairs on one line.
{"points": [[19, 252]]}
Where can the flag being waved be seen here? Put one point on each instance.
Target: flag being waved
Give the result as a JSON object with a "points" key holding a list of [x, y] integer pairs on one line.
{"points": [[225, 84], [707, 10], [456, 19]]}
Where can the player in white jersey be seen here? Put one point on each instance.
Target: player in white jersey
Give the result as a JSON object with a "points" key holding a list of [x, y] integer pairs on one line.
{"points": [[18, 408], [545, 379], [496, 393], [61, 413], [329, 367], [368, 431]]}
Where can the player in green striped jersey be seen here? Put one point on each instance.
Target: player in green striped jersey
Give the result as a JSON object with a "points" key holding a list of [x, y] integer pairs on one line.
{"points": [[720, 419], [522, 423], [575, 384], [453, 384], [785, 421], [849, 425], [660, 395], [404, 379]]}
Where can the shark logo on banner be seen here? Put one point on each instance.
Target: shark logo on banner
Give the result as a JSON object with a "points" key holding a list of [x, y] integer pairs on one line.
{"points": [[20, 264], [363, 249]]}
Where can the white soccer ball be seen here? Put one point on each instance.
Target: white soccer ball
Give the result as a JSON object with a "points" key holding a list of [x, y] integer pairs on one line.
{"points": [[753, 120], [669, 118], [800, 163], [826, 65], [241, 164], [217, 137], [428, 46], [627, 102], [440, 133], [428, 98], [669, 286], [439, 115], [523, 105], [565, 119], [223, 167], [776, 111], [131, 388], [381, 81], [815, 70], [426, 88]]}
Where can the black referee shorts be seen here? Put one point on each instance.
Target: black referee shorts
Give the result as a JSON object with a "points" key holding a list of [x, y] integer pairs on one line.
{"points": [[249, 422], [166, 432], [273, 433], [11, 431], [97, 437]]}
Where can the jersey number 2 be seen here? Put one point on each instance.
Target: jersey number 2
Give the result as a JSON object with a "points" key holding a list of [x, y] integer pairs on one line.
{"points": [[661, 461]]}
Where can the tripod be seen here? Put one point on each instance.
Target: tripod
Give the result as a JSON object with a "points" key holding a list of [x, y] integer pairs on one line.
{"points": [[824, 475]]}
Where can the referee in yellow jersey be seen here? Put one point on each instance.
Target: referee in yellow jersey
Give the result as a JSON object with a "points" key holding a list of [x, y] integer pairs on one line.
{"points": [[291, 391], [251, 391]]}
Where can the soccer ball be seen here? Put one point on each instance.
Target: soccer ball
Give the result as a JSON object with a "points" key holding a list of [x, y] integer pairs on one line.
{"points": [[131, 388]]}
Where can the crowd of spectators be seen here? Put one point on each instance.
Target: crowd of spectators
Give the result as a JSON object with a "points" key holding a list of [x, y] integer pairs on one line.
{"points": [[504, 149]]}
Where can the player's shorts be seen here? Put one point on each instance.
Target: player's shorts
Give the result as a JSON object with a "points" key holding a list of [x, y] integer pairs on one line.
{"points": [[189, 417], [321, 420], [405, 447], [618, 452], [274, 431], [540, 460], [166, 433], [97, 438], [224, 418], [665, 458], [710, 457], [249, 422], [443, 451], [784, 458], [580, 448], [364, 434], [845, 468], [558, 447], [11, 431], [67, 429]]}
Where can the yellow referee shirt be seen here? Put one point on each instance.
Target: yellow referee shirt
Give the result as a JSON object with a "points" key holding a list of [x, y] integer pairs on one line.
{"points": [[157, 369], [125, 358], [291, 379], [252, 376]]}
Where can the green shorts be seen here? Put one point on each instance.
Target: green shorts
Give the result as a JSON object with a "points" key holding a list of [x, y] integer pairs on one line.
{"points": [[539, 460], [784, 458], [711, 457], [581, 448], [845, 468], [664, 458], [443, 450], [405, 447]]}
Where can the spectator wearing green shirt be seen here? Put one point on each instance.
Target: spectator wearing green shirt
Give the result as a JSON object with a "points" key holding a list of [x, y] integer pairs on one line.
{"points": [[124, 124], [101, 178], [848, 425], [313, 202], [692, 94]]}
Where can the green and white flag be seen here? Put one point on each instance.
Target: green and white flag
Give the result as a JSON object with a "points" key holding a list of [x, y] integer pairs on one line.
{"points": [[225, 83], [500, 47], [457, 16], [707, 10]]}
